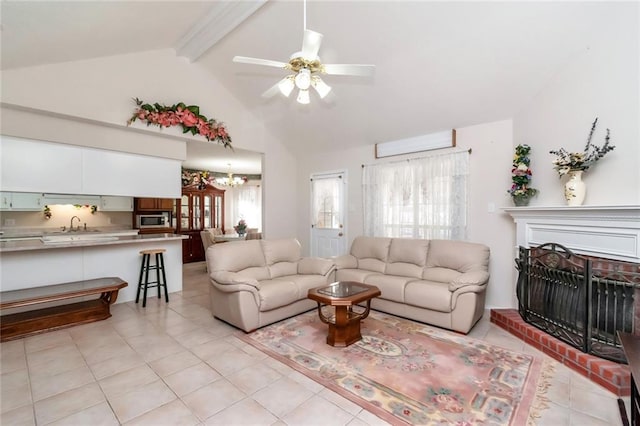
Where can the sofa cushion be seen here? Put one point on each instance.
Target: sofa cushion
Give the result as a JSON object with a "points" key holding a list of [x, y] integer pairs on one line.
{"points": [[392, 287], [459, 255], [346, 261], [277, 293], [407, 257], [372, 252], [243, 256], [443, 275], [428, 294], [305, 283], [283, 250], [315, 266], [281, 269], [358, 275]]}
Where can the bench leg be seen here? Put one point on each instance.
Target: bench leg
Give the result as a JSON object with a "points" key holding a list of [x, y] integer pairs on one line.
{"points": [[109, 297]]}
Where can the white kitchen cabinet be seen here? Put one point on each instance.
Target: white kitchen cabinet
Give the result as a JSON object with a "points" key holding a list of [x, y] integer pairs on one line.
{"points": [[116, 204], [5, 201], [121, 173], [21, 201], [37, 166]]}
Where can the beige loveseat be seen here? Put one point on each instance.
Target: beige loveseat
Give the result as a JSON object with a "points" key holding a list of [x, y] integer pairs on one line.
{"points": [[439, 282], [258, 282]]}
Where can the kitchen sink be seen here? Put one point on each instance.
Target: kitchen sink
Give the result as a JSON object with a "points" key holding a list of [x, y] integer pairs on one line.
{"points": [[74, 232]]}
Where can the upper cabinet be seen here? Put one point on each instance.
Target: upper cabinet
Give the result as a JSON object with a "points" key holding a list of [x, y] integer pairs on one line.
{"points": [[116, 204], [120, 173], [35, 166], [154, 204], [38, 166], [21, 201]]}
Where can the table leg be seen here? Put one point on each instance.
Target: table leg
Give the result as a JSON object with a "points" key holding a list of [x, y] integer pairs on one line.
{"points": [[345, 330]]}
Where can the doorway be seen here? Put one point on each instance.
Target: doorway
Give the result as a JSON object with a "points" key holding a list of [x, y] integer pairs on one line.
{"points": [[328, 200]]}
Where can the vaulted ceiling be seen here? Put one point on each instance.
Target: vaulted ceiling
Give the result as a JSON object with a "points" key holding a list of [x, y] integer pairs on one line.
{"points": [[439, 65]]}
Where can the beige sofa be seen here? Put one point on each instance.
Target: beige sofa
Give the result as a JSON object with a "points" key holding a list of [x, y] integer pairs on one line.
{"points": [[258, 282], [439, 282]]}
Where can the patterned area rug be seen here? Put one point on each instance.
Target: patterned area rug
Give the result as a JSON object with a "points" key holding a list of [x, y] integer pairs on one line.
{"points": [[410, 372]]}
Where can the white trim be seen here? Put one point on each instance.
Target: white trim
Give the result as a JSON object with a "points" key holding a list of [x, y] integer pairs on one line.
{"points": [[611, 232], [223, 17], [445, 139]]}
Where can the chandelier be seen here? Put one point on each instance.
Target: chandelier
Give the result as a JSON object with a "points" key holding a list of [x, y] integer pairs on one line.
{"points": [[230, 180]]}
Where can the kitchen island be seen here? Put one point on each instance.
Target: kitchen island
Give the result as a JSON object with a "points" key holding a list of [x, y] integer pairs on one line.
{"points": [[27, 263]]}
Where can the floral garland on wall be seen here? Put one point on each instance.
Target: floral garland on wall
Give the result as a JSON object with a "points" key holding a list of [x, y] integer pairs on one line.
{"points": [[197, 179], [200, 179], [187, 117]]}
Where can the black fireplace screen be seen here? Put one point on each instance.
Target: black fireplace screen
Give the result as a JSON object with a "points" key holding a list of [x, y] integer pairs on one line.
{"points": [[580, 300]]}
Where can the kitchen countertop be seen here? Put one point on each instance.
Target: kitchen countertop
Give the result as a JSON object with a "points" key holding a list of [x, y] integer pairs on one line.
{"points": [[37, 244]]}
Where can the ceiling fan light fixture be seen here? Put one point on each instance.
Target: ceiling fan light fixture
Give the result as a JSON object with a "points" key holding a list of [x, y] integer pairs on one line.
{"points": [[303, 79], [286, 85], [321, 87], [303, 97]]}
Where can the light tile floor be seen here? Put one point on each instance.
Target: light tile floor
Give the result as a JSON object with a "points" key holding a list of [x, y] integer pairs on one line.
{"points": [[173, 364]]}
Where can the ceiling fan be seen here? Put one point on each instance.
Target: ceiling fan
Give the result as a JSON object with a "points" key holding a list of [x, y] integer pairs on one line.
{"points": [[306, 67]]}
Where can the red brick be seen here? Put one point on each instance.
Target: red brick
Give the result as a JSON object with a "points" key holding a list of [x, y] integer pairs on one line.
{"points": [[552, 354], [577, 367], [562, 349], [598, 365], [572, 354], [536, 345], [583, 359], [608, 385]]}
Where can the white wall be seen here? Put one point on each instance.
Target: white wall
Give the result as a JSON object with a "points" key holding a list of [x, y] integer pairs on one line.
{"points": [[97, 95], [490, 177], [601, 82], [61, 215]]}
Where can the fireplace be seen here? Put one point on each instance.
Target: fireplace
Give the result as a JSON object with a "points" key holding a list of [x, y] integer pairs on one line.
{"points": [[581, 300], [607, 235]]}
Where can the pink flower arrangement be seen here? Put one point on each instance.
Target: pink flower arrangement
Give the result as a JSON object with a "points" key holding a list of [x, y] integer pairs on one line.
{"points": [[181, 115]]}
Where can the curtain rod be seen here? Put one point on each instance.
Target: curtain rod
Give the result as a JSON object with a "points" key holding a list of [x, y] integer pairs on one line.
{"points": [[418, 158]]}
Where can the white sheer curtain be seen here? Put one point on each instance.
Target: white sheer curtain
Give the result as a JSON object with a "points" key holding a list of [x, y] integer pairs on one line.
{"points": [[247, 205], [418, 198]]}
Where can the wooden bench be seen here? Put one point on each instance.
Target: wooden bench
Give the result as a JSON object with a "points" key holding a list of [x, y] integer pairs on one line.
{"points": [[27, 323]]}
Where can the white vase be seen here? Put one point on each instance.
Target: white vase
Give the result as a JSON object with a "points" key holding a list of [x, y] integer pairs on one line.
{"points": [[575, 189]]}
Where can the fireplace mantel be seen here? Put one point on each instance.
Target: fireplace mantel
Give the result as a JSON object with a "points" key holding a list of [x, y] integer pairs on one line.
{"points": [[611, 232]]}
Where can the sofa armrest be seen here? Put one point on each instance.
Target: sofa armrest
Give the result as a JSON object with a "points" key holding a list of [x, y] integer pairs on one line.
{"points": [[473, 278], [228, 278], [346, 261], [315, 266]]}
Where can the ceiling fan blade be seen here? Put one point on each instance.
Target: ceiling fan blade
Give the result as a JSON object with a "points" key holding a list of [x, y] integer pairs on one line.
{"points": [[257, 61], [349, 69], [272, 91], [311, 45]]}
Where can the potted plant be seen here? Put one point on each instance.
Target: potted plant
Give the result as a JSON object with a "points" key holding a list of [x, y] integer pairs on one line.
{"points": [[520, 190], [574, 164], [241, 227]]}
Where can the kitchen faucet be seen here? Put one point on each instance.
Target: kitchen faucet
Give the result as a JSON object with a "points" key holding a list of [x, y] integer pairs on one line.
{"points": [[71, 226]]}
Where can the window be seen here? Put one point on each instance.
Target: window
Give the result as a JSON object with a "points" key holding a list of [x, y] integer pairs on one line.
{"points": [[419, 198], [247, 205]]}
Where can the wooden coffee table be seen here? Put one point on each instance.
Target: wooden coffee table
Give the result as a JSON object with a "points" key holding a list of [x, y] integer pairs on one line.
{"points": [[344, 325]]}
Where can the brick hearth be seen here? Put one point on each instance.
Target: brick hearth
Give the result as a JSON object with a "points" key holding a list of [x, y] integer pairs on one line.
{"points": [[613, 376]]}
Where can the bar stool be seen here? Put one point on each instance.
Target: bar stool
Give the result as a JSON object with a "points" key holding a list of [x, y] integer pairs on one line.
{"points": [[144, 271]]}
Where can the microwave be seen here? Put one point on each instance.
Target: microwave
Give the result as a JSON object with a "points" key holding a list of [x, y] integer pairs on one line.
{"points": [[157, 220]]}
